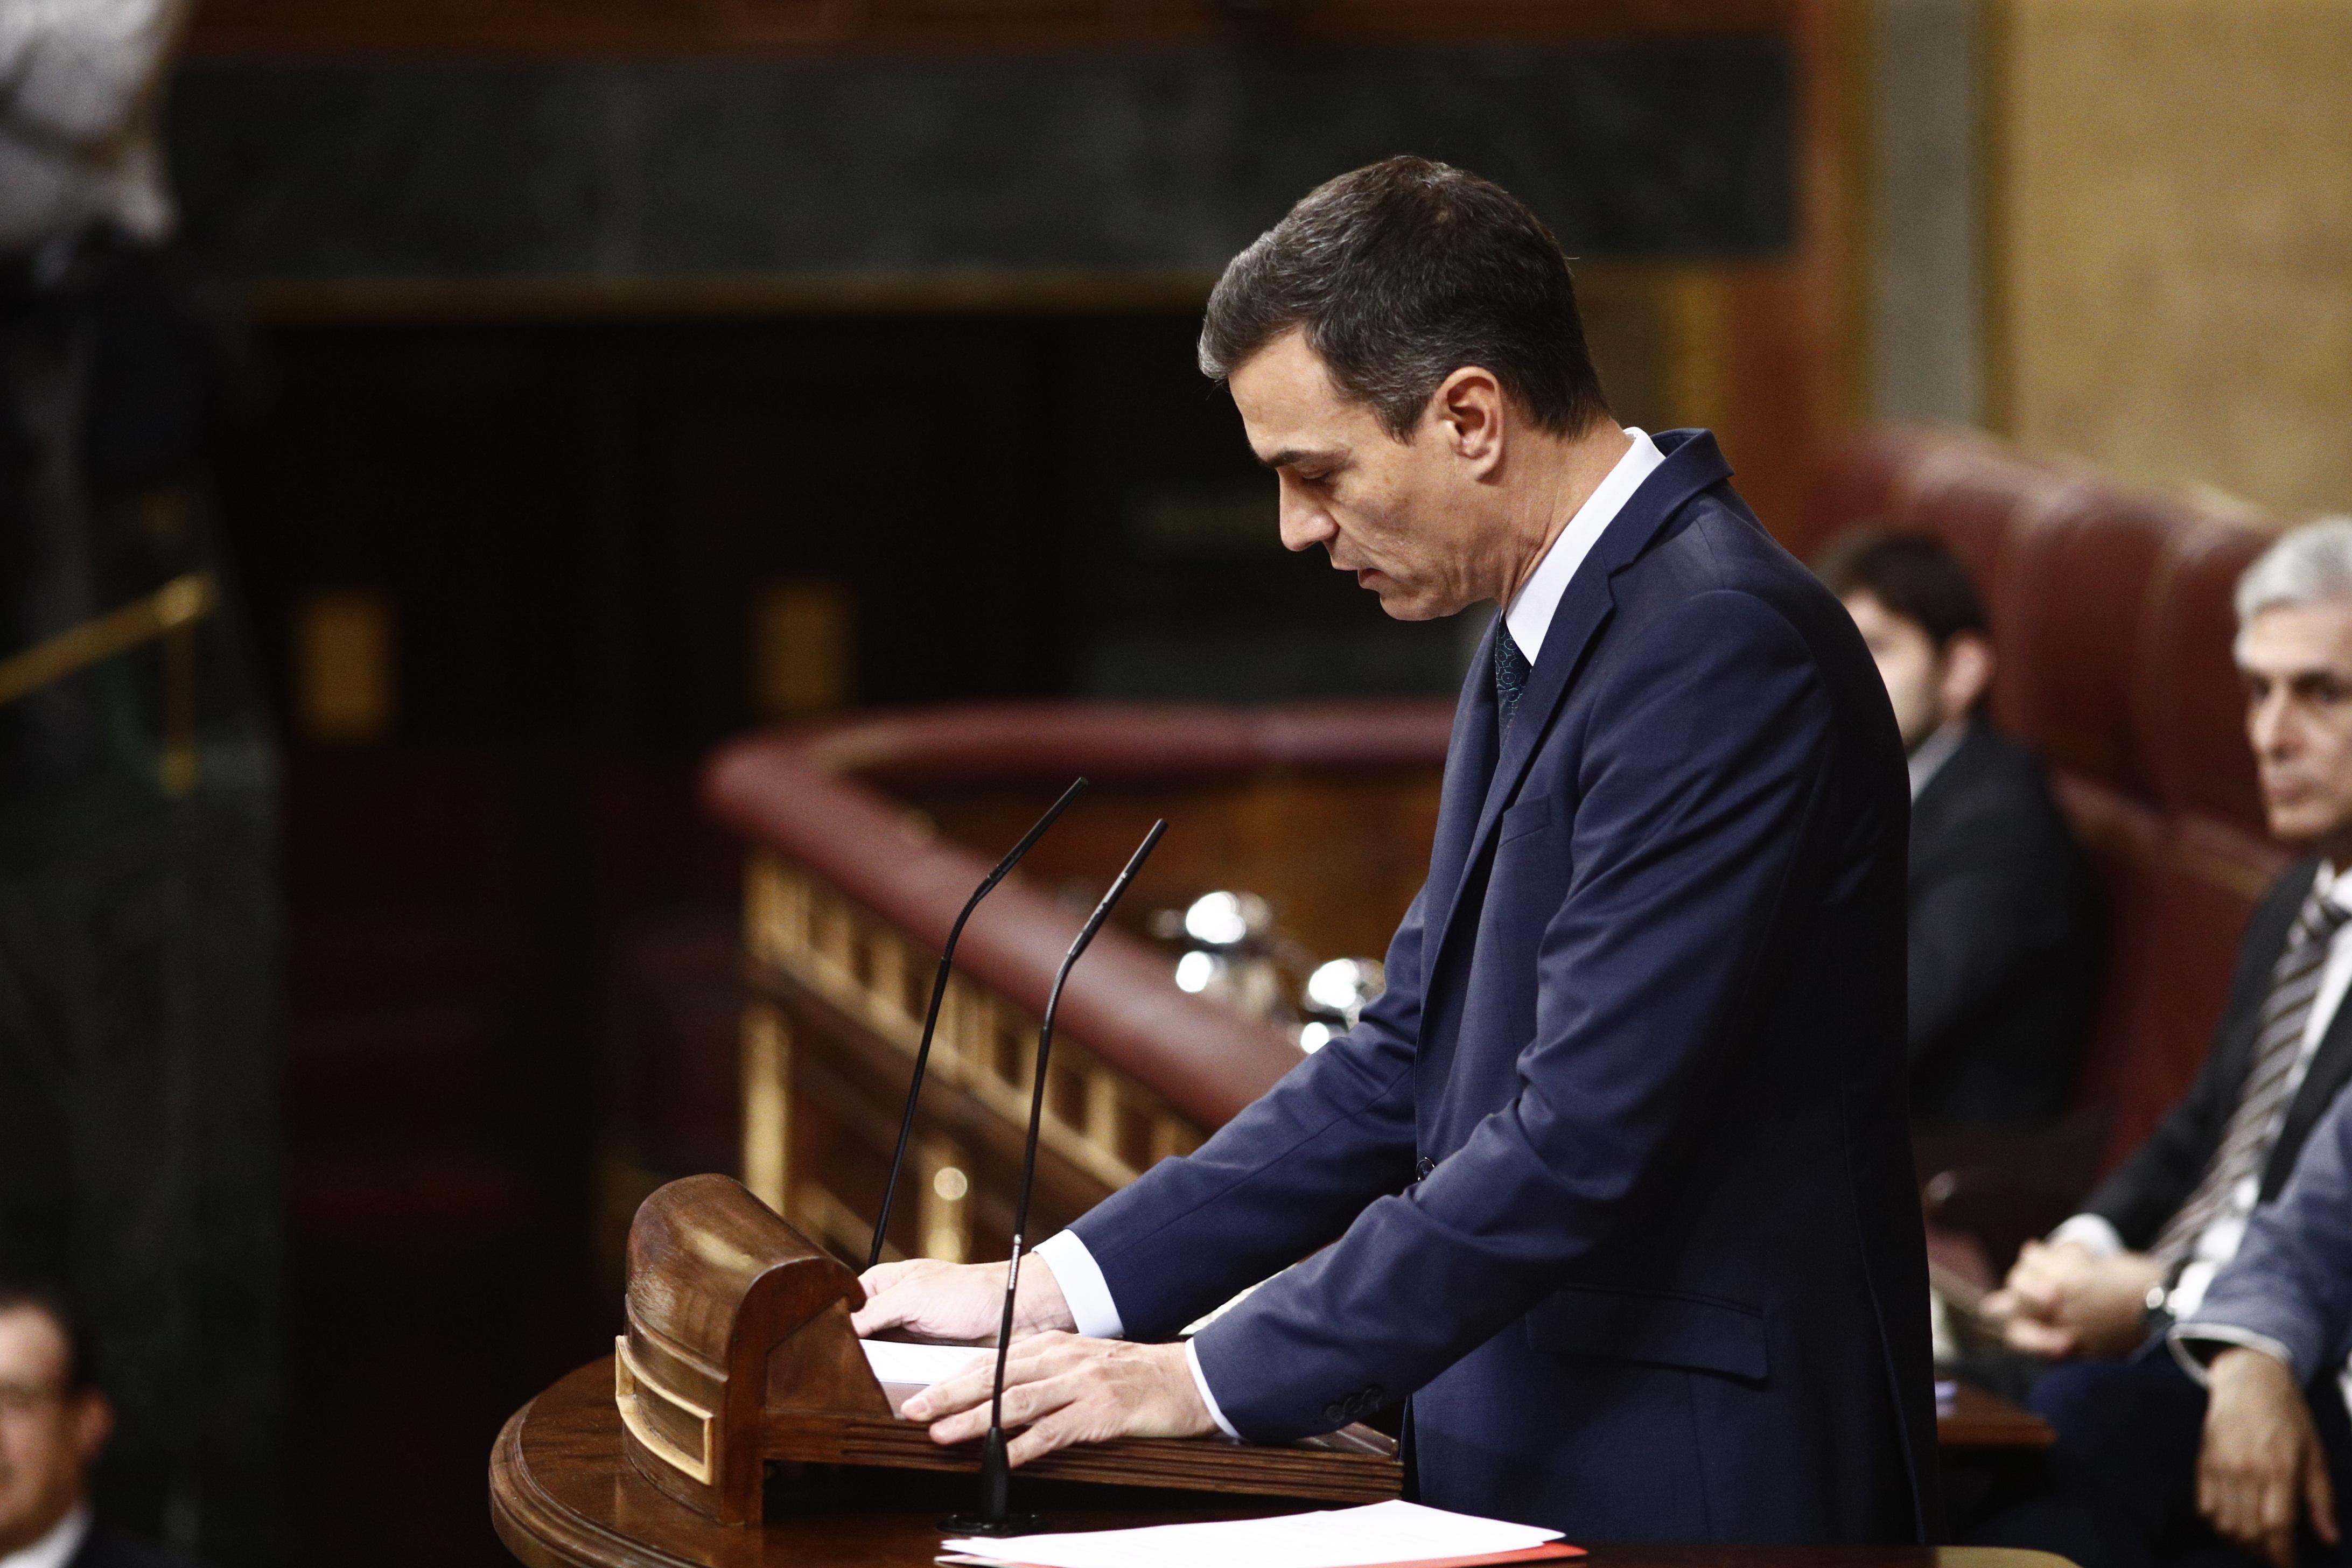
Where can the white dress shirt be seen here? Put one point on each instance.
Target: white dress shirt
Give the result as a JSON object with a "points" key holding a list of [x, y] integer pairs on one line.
{"points": [[80, 82], [56, 1549], [2218, 1242], [1084, 1289]]}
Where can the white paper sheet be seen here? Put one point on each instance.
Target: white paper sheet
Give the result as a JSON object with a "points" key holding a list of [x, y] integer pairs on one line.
{"points": [[1382, 1532], [921, 1365]]}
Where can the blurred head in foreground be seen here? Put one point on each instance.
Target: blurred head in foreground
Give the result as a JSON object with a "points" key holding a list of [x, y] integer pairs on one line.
{"points": [[53, 1419]]}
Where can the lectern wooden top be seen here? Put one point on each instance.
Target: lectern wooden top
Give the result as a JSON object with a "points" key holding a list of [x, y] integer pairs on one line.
{"points": [[563, 1494], [739, 1353]]}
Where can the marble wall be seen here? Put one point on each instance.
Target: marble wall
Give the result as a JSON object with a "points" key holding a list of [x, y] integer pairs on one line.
{"points": [[2172, 241], [614, 171]]}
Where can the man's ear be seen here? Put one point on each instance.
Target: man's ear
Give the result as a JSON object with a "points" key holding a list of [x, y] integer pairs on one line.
{"points": [[1968, 665], [1468, 407], [93, 1424]]}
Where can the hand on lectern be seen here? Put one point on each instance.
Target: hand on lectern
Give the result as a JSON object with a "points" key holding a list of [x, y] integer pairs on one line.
{"points": [[1067, 1389], [960, 1301]]}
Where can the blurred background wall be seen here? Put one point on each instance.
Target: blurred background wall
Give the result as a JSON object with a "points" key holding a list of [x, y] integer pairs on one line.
{"points": [[2120, 229], [2171, 230]]}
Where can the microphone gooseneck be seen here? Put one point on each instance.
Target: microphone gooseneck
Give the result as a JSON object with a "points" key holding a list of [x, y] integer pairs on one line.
{"points": [[939, 993], [994, 1516]]}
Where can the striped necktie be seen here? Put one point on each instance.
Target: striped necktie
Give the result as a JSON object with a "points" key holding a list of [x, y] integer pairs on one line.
{"points": [[2246, 1142], [1511, 668]]}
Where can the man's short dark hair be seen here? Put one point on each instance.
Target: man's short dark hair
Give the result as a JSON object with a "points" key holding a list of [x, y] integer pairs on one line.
{"points": [[82, 1374], [1913, 575], [1402, 273]]}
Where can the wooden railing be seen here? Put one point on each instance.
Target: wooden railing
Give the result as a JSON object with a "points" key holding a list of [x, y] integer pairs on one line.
{"points": [[807, 940], [848, 892]]}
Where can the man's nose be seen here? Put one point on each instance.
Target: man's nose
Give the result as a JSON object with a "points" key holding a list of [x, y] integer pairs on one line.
{"points": [[2269, 727], [1304, 524]]}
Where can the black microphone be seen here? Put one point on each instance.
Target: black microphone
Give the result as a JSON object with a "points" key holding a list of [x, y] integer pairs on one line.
{"points": [[994, 1516], [939, 993]]}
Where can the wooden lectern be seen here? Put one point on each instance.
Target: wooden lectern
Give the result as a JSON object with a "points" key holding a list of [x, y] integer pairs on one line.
{"points": [[739, 1350]]}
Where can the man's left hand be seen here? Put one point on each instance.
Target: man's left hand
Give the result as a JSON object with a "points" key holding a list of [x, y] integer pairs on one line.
{"points": [[1065, 1389], [2260, 1462]]}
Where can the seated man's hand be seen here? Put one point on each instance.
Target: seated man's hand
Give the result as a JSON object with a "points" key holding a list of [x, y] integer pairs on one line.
{"points": [[1065, 1389], [2067, 1301], [959, 1301], [2262, 1459]]}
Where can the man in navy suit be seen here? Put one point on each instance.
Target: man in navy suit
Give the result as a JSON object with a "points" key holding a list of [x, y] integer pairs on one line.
{"points": [[1613, 1185]]}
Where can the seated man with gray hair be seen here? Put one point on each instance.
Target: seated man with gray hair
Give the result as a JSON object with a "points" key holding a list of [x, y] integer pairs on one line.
{"points": [[2151, 1239], [2148, 1242]]}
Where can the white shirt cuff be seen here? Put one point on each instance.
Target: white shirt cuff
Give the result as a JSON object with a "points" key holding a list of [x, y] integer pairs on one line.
{"points": [[2092, 1232], [2215, 1337], [1192, 1360], [1084, 1290]]}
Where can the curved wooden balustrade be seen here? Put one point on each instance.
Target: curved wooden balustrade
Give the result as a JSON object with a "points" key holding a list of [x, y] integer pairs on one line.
{"points": [[851, 889]]}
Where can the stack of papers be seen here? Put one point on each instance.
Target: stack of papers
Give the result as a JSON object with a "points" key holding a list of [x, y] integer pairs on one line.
{"points": [[921, 1365], [1379, 1536]]}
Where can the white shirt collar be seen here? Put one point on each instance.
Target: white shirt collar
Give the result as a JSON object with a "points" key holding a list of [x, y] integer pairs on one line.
{"points": [[1934, 752], [56, 1549], [1529, 616]]}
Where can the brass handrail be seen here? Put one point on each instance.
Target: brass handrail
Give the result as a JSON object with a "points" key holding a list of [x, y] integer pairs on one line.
{"points": [[176, 606], [176, 603]]}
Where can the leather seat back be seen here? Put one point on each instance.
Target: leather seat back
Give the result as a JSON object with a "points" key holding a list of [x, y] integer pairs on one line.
{"points": [[2112, 619]]}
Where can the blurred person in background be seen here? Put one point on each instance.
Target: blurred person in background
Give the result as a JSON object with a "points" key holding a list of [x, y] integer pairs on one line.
{"points": [[137, 793], [2004, 938], [54, 1420], [2147, 1242], [110, 376]]}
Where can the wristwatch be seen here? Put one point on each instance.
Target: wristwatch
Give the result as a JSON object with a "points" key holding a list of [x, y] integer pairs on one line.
{"points": [[2156, 1311]]}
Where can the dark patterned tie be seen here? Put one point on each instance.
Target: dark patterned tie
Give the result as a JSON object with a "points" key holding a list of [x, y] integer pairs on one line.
{"points": [[1511, 668], [2246, 1142]]}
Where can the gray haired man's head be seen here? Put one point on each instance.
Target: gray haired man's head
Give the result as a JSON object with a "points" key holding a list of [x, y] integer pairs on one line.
{"points": [[2308, 565], [2293, 655]]}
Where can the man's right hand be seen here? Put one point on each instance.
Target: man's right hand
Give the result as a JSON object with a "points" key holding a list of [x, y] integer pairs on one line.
{"points": [[961, 1302], [2262, 1460], [2067, 1301]]}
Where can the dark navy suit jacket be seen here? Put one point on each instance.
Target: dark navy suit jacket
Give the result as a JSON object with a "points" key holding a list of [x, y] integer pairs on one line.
{"points": [[1618, 1168], [2004, 941]]}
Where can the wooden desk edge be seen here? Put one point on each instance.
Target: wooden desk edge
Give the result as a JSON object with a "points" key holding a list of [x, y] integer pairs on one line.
{"points": [[1982, 1420], [541, 1532], [536, 1527]]}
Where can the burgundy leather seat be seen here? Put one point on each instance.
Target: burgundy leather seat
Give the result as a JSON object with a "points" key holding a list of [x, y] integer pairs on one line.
{"points": [[2111, 614]]}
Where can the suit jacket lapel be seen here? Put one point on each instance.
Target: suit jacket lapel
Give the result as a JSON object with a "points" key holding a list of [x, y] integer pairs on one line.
{"points": [[1692, 463], [1469, 765]]}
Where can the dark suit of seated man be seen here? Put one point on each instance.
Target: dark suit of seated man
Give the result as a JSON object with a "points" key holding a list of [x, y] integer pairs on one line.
{"points": [[2004, 943], [53, 1421], [2236, 1440], [1612, 1187], [2151, 1237]]}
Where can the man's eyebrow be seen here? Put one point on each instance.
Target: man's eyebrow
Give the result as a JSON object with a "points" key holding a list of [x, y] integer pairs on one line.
{"points": [[1292, 456]]}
